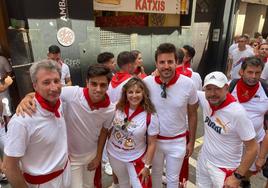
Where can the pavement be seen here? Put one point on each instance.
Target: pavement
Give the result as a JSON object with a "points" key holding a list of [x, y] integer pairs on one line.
{"points": [[257, 181]]}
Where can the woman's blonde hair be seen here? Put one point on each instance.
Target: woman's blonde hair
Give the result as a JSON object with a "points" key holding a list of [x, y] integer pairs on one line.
{"points": [[146, 103]]}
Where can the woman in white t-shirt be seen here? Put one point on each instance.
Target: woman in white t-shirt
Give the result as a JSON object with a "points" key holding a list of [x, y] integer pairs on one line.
{"points": [[133, 137]]}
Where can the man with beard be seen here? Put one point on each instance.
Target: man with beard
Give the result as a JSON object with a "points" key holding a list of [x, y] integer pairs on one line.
{"points": [[227, 128], [252, 95], [35, 155], [173, 95]]}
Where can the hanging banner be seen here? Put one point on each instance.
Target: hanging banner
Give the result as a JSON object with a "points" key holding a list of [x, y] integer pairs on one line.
{"points": [[146, 6]]}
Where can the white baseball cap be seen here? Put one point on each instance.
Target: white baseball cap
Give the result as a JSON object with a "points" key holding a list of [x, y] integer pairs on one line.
{"points": [[216, 78]]}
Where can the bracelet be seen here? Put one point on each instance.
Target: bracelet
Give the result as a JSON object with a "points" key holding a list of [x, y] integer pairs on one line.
{"points": [[147, 166]]}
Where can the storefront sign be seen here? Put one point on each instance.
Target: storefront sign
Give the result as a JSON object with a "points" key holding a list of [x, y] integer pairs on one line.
{"points": [[149, 6]]}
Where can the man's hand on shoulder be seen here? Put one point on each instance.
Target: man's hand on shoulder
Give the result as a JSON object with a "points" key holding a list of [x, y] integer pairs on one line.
{"points": [[27, 105]]}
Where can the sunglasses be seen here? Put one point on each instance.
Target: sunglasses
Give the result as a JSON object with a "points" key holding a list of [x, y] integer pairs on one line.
{"points": [[125, 124], [164, 90]]}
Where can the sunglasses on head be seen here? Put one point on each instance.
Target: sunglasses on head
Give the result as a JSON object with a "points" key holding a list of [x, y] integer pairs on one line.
{"points": [[164, 90]]}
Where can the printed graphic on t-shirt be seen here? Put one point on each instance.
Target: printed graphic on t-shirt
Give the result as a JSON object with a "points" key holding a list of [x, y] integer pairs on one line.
{"points": [[123, 134], [218, 125]]}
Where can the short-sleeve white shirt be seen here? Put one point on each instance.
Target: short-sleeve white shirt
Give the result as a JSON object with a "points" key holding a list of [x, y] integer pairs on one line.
{"points": [[130, 144], [83, 124], [116, 92], [256, 109], [65, 73], [238, 56], [264, 74], [196, 79], [172, 110], [40, 141], [224, 134]]}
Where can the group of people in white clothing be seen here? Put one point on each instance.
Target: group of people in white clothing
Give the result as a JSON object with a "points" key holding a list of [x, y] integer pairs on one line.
{"points": [[146, 123]]}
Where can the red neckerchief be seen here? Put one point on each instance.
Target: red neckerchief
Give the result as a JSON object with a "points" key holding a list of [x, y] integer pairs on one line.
{"points": [[265, 60], [44, 104], [171, 82], [184, 71], [138, 110], [187, 64], [245, 92], [119, 77], [95, 106], [229, 99]]}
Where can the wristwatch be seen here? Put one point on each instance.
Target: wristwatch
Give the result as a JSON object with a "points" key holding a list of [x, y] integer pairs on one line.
{"points": [[238, 176], [148, 166]]}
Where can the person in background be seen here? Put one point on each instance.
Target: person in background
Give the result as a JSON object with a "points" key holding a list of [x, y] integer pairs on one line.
{"points": [[255, 46], [107, 59], [250, 92], [54, 53], [189, 53], [139, 71], [237, 56], [127, 66]]}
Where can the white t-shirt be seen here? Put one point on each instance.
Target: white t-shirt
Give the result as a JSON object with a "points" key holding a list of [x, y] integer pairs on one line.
{"points": [[130, 144], [264, 74], [65, 73], [238, 56], [115, 93], [235, 46], [224, 134], [172, 110], [40, 141], [83, 124], [256, 109], [196, 79]]}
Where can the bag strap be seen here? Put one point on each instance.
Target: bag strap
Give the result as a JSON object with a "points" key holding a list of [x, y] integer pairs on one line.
{"points": [[148, 119], [232, 85]]}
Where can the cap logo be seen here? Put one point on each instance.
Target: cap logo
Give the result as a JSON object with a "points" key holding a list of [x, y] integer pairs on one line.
{"points": [[212, 77]]}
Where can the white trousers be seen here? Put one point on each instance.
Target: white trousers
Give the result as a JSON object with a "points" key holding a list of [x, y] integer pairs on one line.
{"points": [[125, 172], [62, 181], [208, 175], [81, 176], [173, 151]]}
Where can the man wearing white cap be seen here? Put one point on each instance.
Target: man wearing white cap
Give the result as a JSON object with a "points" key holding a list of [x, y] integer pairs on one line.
{"points": [[227, 128]]}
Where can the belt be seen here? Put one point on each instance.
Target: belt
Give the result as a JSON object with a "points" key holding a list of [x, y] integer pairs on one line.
{"points": [[173, 137], [43, 178]]}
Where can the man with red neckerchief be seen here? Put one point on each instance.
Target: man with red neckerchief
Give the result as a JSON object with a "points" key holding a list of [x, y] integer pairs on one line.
{"points": [[189, 53], [227, 128], [181, 69], [172, 96], [250, 93], [187, 71], [34, 142], [88, 116], [126, 63]]}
